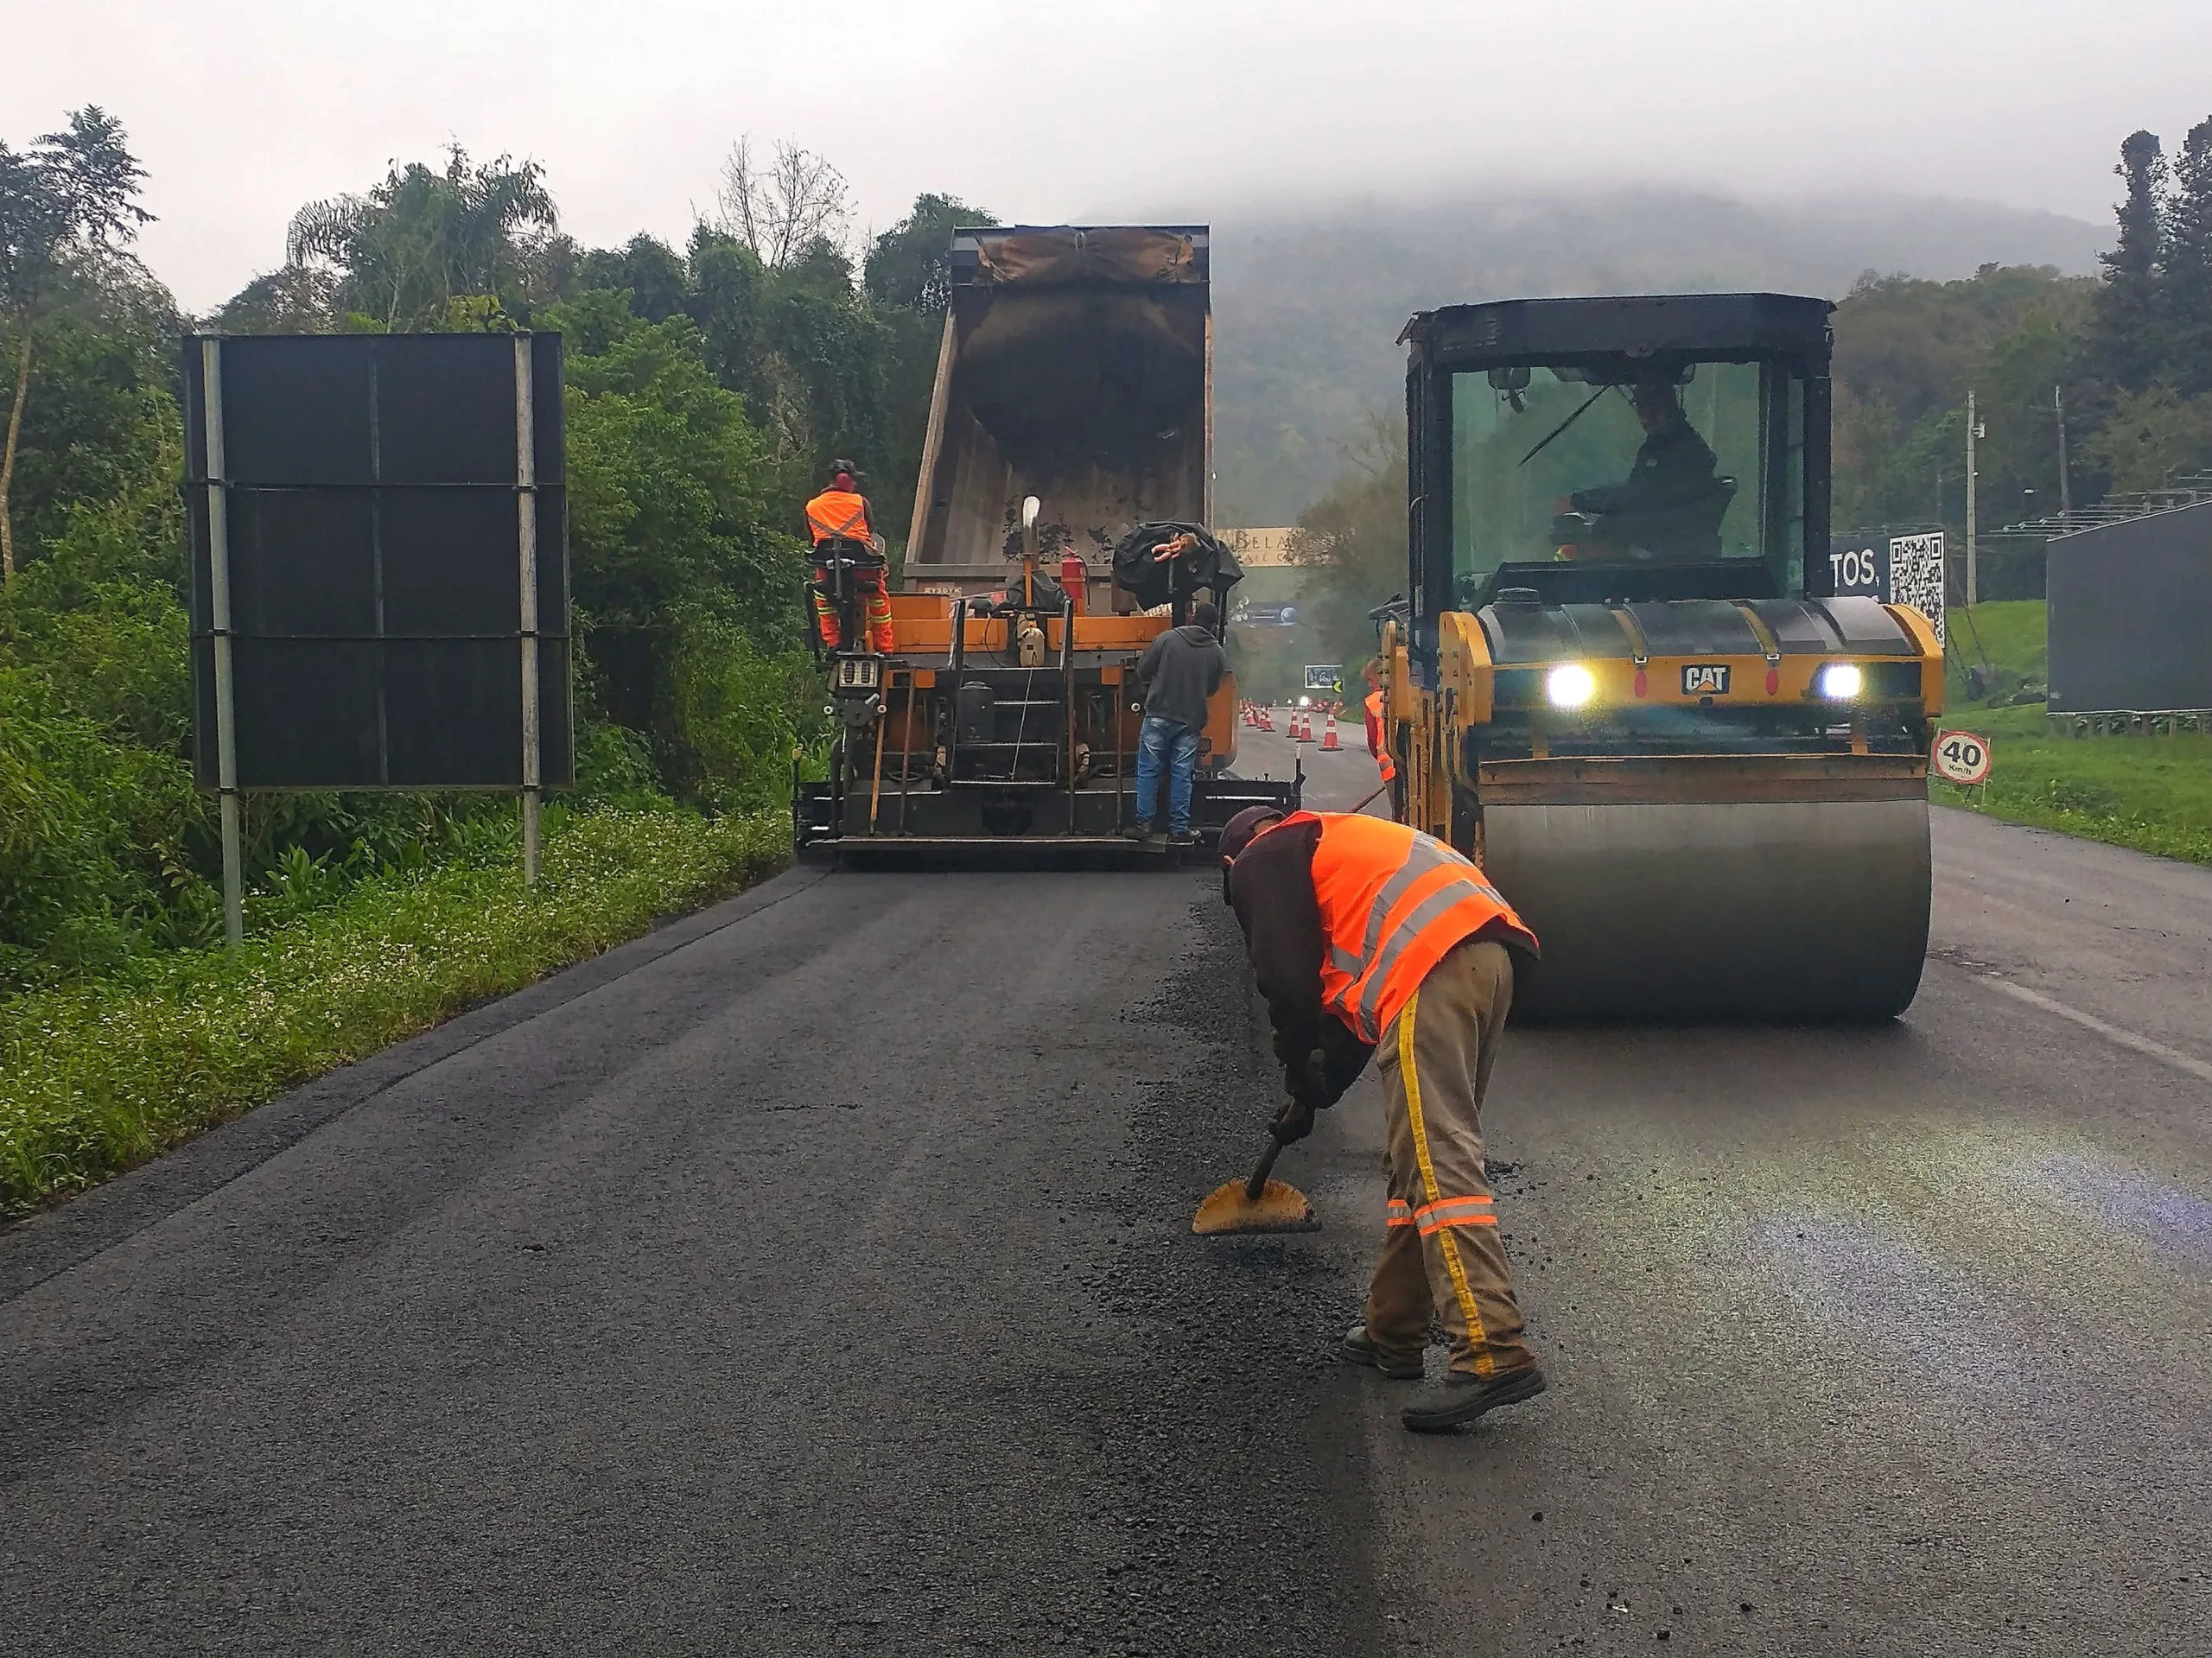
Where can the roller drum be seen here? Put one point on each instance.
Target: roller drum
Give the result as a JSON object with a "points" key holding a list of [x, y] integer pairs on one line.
{"points": [[1797, 910]]}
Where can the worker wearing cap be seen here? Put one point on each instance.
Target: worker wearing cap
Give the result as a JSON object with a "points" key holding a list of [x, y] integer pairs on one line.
{"points": [[1365, 936], [1377, 745], [840, 513]]}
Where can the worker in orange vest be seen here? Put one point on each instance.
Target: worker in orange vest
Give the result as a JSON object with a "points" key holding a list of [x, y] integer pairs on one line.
{"points": [[1367, 934], [1378, 745], [840, 513]]}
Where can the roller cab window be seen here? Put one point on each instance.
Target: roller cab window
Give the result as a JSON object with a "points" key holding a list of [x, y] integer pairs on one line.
{"points": [[1644, 462]]}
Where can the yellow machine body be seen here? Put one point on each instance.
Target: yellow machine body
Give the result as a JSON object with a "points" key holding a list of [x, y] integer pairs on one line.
{"points": [[1703, 785]]}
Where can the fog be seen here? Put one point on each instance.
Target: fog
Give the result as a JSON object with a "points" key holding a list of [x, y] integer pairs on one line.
{"points": [[1222, 109]]}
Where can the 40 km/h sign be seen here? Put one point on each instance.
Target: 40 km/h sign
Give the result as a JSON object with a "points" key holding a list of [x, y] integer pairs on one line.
{"points": [[1961, 757]]}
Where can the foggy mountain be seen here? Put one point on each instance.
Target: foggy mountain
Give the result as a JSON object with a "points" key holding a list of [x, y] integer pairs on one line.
{"points": [[1307, 305]]}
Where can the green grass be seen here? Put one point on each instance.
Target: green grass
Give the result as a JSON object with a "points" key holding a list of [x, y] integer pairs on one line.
{"points": [[102, 1074], [2151, 793], [2008, 641]]}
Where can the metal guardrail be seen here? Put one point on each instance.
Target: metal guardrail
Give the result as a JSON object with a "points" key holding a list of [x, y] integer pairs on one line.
{"points": [[2183, 489], [2133, 722]]}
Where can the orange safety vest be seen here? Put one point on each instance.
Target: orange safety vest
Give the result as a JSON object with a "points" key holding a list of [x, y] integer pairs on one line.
{"points": [[1393, 902], [1375, 745], [838, 513]]}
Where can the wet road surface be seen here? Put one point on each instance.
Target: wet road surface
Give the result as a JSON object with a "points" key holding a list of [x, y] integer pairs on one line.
{"points": [[812, 1276]]}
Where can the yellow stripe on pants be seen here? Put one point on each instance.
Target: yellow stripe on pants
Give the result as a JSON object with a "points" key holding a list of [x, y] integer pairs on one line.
{"points": [[1411, 1079]]}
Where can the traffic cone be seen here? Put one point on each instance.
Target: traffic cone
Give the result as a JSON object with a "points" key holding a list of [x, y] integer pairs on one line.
{"points": [[1329, 743], [1304, 733]]}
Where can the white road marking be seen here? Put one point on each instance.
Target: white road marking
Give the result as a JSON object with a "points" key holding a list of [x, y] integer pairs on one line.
{"points": [[2143, 1045]]}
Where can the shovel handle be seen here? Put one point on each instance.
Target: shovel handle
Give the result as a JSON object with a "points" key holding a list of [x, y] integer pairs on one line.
{"points": [[1258, 1183]]}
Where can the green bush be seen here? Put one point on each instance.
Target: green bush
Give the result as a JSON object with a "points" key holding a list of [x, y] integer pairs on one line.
{"points": [[740, 712], [94, 835], [102, 1072]]}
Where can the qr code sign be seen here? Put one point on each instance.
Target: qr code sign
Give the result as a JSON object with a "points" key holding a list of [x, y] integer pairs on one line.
{"points": [[1917, 576]]}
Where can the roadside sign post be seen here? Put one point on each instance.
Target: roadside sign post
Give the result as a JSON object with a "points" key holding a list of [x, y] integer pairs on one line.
{"points": [[1960, 758], [379, 589], [226, 709]]}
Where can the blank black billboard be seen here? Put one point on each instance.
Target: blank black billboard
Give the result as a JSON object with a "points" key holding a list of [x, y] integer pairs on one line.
{"points": [[2130, 615], [374, 489]]}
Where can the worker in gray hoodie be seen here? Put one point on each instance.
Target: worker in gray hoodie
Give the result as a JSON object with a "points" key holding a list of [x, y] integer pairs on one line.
{"points": [[1179, 673]]}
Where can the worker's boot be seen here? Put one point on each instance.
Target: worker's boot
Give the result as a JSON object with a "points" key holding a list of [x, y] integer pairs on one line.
{"points": [[1459, 1398], [1181, 838], [1358, 1348]]}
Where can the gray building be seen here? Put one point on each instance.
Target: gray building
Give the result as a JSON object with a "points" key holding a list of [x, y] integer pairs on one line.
{"points": [[2131, 614]]}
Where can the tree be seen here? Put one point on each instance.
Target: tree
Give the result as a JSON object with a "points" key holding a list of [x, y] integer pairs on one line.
{"points": [[910, 265], [1353, 540], [2186, 258], [2126, 339], [71, 196], [781, 207], [408, 249], [2152, 435]]}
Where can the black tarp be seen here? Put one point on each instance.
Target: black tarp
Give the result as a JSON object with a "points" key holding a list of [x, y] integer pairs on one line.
{"points": [[1152, 580]]}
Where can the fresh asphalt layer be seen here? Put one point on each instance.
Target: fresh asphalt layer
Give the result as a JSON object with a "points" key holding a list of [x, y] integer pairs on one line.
{"points": [[813, 1276]]}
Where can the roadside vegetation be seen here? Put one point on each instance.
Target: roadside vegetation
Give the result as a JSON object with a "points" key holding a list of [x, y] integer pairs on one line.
{"points": [[707, 386], [2151, 793]]}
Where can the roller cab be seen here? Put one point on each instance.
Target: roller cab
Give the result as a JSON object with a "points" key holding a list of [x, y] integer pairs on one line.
{"points": [[1616, 680]]}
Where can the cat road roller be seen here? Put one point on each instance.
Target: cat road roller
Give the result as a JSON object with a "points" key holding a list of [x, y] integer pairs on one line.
{"points": [[1619, 680]]}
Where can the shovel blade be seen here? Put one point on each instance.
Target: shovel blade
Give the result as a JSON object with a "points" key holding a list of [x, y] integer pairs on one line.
{"points": [[1279, 1208]]}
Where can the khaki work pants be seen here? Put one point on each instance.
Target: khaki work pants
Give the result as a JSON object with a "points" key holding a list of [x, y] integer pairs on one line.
{"points": [[1441, 1253]]}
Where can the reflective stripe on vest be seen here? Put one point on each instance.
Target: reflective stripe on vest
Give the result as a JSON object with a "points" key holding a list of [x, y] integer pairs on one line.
{"points": [[838, 512], [1392, 901]]}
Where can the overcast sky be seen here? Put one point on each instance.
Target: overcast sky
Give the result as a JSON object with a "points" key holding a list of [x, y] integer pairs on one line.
{"points": [[243, 109]]}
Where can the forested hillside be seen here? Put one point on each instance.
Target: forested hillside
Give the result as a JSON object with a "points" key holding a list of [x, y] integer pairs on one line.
{"points": [[1309, 305]]}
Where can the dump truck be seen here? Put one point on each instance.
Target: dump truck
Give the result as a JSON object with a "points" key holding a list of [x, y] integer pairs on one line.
{"points": [[1619, 678], [1058, 529]]}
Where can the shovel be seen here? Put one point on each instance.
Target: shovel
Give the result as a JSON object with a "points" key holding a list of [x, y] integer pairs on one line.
{"points": [[1258, 1205]]}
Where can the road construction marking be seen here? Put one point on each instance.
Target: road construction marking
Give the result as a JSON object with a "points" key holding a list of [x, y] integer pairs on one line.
{"points": [[2143, 1045]]}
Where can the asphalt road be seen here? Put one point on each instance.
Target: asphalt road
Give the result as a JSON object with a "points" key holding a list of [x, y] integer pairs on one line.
{"points": [[812, 1276]]}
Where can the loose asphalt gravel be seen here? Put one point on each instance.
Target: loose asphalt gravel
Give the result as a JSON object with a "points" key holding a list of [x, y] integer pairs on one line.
{"points": [[813, 1276]]}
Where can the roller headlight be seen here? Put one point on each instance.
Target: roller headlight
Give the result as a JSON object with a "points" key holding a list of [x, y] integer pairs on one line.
{"points": [[1570, 685], [1840, 682]]}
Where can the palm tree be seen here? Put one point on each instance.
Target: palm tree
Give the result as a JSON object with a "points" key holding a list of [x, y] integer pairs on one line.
{"points": [[408, 249]]}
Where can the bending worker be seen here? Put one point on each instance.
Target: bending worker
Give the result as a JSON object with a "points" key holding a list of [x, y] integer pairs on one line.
{"points": [[840, 513], [1365, 934]]}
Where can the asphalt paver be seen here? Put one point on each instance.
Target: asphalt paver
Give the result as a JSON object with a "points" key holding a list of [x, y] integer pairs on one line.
{"points": [[814, 1276]]}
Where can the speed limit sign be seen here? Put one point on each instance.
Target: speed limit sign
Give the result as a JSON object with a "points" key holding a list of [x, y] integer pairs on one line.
{"points": [[1961, 757]]}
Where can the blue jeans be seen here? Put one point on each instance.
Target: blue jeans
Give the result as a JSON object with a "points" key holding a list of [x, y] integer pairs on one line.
{"points": [[1177, 745]]}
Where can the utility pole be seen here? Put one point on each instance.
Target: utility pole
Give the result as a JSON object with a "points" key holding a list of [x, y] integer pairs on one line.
{"points": [[2065, 483], [1974, 432]]}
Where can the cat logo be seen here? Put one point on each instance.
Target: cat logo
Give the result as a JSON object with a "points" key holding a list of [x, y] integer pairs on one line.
{"points": [[1705, 679]]}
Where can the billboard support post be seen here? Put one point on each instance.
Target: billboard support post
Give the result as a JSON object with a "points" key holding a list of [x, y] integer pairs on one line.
{"points": [[526, 518], [218, 596]]}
